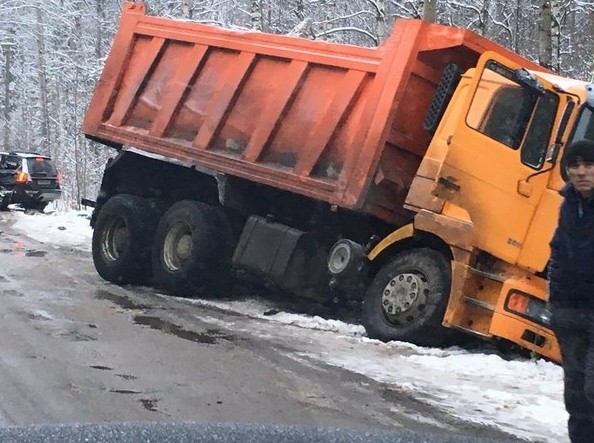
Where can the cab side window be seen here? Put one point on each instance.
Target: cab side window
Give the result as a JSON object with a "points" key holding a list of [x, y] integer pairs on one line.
{"points": [[516, 116], [538, 137], [506, 120]]}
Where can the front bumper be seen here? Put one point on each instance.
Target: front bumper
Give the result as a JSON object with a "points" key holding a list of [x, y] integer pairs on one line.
{"points": [[527, 334]]}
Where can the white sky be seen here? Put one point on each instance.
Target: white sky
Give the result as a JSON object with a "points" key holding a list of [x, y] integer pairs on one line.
{"points": [[522, 397]]}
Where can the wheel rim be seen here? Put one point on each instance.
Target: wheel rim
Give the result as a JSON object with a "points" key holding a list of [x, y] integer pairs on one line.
{"points": [[115, 239], [339, 259], [404, 298], [177, 247]]}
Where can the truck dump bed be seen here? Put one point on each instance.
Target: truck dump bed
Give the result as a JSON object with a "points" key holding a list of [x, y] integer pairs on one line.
{"points": [[337, 123]]}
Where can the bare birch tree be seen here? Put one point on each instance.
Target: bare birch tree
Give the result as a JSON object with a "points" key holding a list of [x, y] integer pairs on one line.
{"points": [[555, 36], [544, 35], [7, 52], [43, 81], [187, 8], [60, 47], [256, 15], [429, 10]]}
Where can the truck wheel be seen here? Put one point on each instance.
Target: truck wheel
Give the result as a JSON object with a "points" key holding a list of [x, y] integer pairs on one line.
{"points": [[188, 248], [122, 239], [407, 298]]}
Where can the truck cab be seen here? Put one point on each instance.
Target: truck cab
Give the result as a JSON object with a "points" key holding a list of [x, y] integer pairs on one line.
{"points": [[494, 167]]}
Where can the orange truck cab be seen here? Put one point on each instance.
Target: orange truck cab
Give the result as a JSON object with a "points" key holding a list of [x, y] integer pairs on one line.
{"points": [[417, 181], [493, 166]]}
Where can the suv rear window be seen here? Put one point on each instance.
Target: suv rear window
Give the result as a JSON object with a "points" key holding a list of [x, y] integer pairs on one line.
{"points": [[41, 166]]}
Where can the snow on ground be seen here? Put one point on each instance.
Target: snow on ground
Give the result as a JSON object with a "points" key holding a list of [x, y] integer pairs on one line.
{"points": [[519, 396], [70, 228]]}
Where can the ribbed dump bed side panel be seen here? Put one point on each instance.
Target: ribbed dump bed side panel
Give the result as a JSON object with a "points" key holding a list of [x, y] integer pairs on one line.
{"points": [[276, 110]]}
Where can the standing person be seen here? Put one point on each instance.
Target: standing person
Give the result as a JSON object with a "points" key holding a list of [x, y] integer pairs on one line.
{"points": [[571, 288]]}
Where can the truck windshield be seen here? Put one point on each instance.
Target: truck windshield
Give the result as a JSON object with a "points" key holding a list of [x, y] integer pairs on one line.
{"points": [[515, 116], [584, 128]]}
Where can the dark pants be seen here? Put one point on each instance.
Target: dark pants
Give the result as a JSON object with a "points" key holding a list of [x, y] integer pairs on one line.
{"points": [[574, 329]]}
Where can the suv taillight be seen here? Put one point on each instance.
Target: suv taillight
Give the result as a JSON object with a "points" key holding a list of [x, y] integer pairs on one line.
{"points": [[22, 177]]}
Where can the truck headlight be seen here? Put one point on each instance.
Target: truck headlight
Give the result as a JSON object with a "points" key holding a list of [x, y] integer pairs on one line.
{"points": [[528, 306]]}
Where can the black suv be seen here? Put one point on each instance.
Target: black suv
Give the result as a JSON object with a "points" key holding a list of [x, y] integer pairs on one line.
{"points": [[30, 180]]}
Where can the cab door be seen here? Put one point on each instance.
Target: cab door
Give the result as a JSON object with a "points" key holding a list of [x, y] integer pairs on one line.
{"points": [[499, 142]]}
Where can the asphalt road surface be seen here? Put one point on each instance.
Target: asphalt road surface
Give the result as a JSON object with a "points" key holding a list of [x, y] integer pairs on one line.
{"points": [[76, 349]]}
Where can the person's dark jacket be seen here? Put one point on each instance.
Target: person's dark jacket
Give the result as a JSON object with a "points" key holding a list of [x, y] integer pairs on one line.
{"points": [[571, 267]]}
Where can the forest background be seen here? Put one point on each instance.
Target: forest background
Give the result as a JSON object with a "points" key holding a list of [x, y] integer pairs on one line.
{"points": [[52, 52]]}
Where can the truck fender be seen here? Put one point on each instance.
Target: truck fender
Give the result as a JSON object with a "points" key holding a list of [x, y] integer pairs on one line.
{"points": [[406, 231], [456, 233], [453, 236]]}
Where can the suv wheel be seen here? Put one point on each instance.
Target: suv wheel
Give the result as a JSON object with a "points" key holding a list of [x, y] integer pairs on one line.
{"points": [[4, 202], [35, 206]]}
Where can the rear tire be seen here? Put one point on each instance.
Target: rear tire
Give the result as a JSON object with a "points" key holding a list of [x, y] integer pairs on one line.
{"points": [[35, 206], [122, 239], [4, 202], [407, 299], [189, 251]]}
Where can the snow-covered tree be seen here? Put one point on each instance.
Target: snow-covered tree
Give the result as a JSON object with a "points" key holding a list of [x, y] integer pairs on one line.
{"points": [[52, 52]]}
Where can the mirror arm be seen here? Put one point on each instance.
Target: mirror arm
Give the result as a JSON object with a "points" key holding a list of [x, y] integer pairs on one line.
{"points": [[540, 172], [551, 159]]}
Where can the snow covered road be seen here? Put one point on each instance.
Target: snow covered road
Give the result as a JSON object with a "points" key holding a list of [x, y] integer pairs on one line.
{"points": [[449, 389]]}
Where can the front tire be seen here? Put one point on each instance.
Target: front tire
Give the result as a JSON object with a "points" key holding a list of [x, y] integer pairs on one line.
{"points": [[122, 239], [189, 249], [407, 299]]}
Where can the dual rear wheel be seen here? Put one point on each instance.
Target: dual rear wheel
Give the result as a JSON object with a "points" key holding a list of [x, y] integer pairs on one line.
{"points": [[122, 239], [183, 250], [189, 252]]}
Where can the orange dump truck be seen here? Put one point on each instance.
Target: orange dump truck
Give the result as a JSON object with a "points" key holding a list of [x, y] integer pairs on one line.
{"points": [[419, 178]]}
